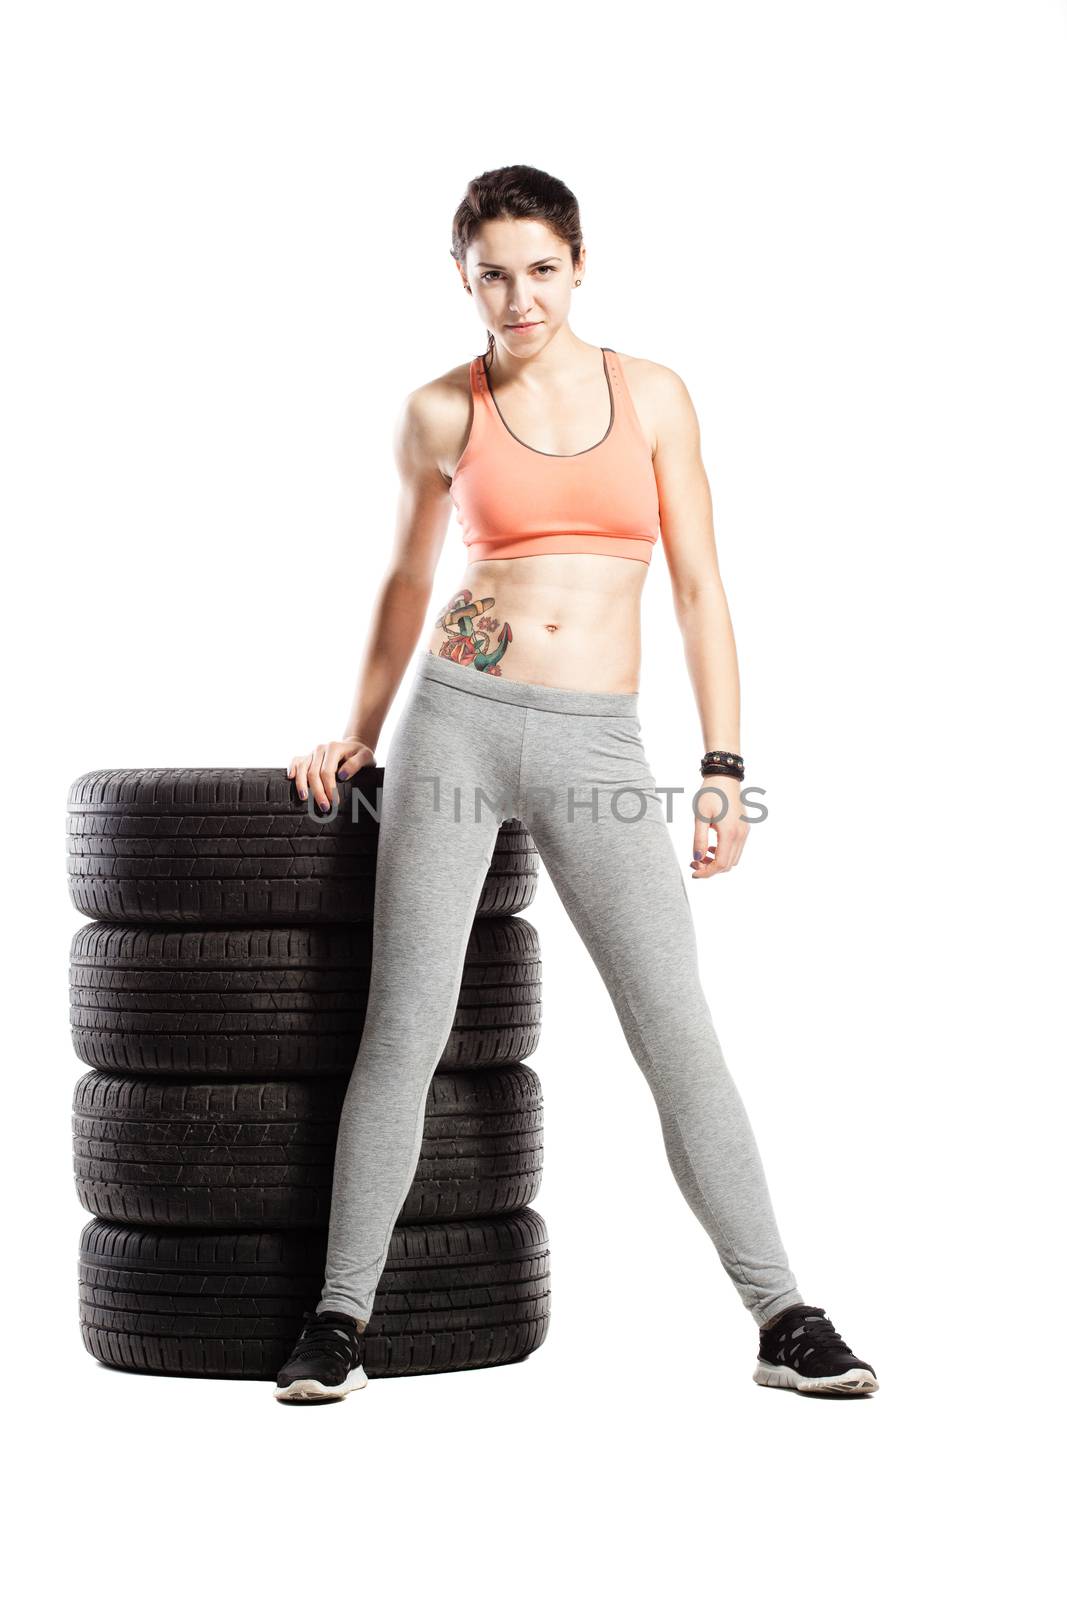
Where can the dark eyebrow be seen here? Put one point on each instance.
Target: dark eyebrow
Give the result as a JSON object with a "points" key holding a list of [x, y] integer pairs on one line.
{"points": [[543, 262]]}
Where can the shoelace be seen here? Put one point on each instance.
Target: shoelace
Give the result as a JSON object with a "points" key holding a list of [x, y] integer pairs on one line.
{"points": [[817, 1331], [320, 1338]]}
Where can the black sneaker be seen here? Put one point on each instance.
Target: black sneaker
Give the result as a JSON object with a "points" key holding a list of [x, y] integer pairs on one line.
{"points": [[804, 1351], [326, 1362]]}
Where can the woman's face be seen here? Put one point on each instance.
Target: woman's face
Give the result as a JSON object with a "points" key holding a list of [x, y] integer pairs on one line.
{"points": [[521, 277]]}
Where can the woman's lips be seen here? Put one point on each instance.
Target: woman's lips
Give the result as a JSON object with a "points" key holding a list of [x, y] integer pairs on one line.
{"points": [[521, 327]]}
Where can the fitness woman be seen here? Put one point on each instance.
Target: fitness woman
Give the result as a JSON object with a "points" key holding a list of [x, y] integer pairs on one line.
{"points": [[566, 463]]}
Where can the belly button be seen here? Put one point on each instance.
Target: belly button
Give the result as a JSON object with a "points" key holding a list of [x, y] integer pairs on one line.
{"points": [[551, 626]]}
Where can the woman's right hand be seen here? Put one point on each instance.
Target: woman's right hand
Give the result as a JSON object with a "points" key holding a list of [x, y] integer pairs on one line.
{"points": [[327, 762]]}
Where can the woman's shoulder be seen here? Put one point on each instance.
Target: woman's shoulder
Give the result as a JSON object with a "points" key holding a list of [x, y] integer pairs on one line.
{"points": [[659, 393], [651, 374], [440, 402], [440, 394], [437, 411]]}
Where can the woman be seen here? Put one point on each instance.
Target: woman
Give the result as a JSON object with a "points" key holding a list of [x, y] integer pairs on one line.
{"points": [[565, 463]]}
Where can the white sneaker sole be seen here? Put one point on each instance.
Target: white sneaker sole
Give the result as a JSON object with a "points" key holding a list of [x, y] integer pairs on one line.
{"points": [[312, 1389], [857, 1380]]}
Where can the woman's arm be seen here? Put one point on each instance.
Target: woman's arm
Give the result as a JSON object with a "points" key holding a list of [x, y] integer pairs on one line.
{"points": [[700, 605], [399, 609]]}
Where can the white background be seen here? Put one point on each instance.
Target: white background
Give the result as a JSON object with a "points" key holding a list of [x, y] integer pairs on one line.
{"points": [[843, 225]]}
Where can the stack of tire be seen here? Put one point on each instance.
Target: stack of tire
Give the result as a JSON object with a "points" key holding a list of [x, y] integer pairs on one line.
{"points": [[218, 995]]}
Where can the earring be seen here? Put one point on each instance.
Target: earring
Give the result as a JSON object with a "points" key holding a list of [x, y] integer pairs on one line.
{"points": [[577, 281]]}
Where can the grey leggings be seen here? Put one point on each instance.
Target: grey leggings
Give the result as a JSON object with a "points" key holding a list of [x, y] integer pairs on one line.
{"points": [[571, 764]]}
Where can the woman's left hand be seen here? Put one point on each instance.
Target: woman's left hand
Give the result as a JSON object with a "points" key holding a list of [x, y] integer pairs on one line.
{"points": [[731, 830]]}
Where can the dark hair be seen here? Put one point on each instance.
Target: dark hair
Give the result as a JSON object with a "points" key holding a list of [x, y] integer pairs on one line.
{"points": [[516, 192]]}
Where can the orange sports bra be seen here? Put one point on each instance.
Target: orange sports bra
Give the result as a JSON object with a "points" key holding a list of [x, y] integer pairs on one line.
{"points": [[513, 500]]}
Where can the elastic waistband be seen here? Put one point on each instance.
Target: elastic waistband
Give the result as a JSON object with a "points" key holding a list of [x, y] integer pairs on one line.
{"points": [[540, 696]]}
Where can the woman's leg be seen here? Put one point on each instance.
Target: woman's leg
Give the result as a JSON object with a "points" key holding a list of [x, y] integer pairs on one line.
{"points": [[622, 885], [431, 869]]}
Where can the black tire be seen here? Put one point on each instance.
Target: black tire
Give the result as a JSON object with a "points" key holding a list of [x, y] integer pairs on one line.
{"points": [[452, 1296], [270, 1003], [236, 848], [261, 1155]]}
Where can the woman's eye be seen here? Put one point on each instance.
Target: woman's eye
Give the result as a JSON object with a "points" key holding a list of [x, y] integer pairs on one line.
{"points": [[487, 277]]}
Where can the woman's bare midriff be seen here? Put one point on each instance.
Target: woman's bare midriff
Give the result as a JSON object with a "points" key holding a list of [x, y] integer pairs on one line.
{"points": [[568, 621]]}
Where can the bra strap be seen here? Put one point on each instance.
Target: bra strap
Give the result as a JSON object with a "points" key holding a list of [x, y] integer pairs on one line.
{"points": [[620, 391]]}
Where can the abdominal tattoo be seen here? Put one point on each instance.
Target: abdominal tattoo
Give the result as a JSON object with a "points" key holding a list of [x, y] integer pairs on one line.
{"points": [[468, 644]]}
